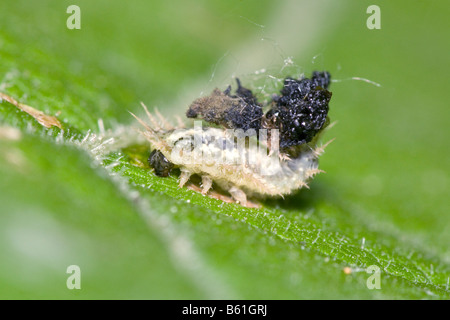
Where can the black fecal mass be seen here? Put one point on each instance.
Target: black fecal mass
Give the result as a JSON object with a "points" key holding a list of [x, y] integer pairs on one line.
{"points": [[301, 110], [238, 111], [245, 94], [159, 162]]}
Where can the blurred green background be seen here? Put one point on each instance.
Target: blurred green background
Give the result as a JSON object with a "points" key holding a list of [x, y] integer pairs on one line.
{"points": [[382, 201]]}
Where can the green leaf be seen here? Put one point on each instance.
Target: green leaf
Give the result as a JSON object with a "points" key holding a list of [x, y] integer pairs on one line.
{"points": [[84, 195]]}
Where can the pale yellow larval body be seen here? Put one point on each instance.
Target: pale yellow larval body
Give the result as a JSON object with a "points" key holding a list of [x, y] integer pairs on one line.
{"points": [[243, 169]]}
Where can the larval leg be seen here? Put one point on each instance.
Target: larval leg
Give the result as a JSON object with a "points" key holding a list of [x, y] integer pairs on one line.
{"points": [[206, 184], [184, 177], [238, 195], [215, 195]]}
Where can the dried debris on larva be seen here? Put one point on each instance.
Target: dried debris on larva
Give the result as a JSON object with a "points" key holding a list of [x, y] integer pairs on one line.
{"points": [[289, 129]]}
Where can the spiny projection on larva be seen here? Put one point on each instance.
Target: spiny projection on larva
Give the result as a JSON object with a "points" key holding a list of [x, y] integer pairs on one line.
{"points": [[239, 148]]}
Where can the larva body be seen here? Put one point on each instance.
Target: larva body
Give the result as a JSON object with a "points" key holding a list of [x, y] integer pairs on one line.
{"points": [[275, 155], [246, 167]]}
